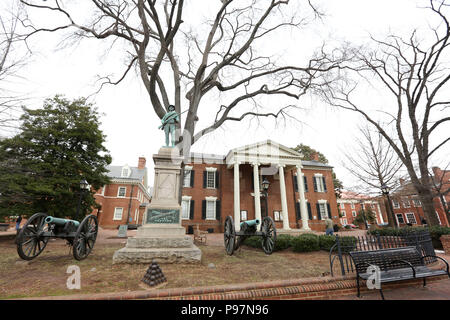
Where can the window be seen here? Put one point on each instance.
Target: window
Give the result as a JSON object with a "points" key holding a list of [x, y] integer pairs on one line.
{"points": [[118, 214], [323, 210], [354, 213], [277, 216], [344, 221], [319, 182], [185, 209], [125, 172], [342, 205], [122, 192], [353, 205], [406, 203], [210, 179], [343, 213], [417, 203], [411, 218], [396, 204], [187, 179], [439, 219], [210, 209], [243, 215], [400, 218]]}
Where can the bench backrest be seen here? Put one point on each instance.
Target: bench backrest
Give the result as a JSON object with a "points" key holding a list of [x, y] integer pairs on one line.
{"points": [[384, 258]]}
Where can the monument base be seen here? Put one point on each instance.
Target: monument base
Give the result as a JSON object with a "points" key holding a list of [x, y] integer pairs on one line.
{"points": [[162, 243]]}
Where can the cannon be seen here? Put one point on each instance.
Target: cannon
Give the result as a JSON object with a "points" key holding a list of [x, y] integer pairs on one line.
{"points": [[33, 237], [233, 239]]}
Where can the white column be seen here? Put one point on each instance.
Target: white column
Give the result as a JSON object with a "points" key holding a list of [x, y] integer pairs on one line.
{"points": [[301, 192], [284, 208], [237, 199], [256, 191]]}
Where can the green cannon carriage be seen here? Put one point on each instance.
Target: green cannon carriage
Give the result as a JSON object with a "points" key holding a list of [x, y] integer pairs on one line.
{"points": [[33, 237], [233, 239]]}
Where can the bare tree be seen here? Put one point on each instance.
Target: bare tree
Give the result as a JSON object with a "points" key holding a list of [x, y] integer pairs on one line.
{"points": [[10, 63], [182, 66], [441, 187], [416, 77], [374, 163]]}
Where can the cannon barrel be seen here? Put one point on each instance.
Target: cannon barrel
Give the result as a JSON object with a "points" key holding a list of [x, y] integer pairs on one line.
{"points": [[60, 222], [250, 222]]}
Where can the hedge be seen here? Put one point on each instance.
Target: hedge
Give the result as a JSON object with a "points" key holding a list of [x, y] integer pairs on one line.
{"points": [[283, 242], [435, 231], [326, 242], [305, 243]]}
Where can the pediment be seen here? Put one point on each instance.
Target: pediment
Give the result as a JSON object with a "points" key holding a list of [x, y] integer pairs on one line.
{"points": [[267, 148]]}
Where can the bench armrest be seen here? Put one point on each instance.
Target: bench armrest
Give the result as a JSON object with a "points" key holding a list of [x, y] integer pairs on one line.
{"points": [[432, 256], [408, 263]]}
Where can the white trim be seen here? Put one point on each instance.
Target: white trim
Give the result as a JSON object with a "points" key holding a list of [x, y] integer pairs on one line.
{"points": [[121, 214], [403, 217], [188, 167], [211, 169], [213, 200], [407, 218], [188, 199]]}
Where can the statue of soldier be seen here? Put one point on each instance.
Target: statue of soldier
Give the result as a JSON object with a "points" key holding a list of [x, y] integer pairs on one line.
{"points": [[169, 122]]}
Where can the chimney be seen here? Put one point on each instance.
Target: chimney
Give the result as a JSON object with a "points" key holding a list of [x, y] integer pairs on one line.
{"points": [[141, 163], [315, 156]]}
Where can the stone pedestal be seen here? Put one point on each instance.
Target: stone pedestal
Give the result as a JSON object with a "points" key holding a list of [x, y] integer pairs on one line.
{"points": [[161, 237]]}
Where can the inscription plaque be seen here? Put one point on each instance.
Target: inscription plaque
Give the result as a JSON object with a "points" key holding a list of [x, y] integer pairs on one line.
{"points": [[163, 216]]}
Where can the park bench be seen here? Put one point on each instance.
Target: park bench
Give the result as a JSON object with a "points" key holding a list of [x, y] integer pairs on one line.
{"points": [[395, 264], [4, 226]]}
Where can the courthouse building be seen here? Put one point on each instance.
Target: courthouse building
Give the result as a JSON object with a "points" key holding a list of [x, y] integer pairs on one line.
{"points": [[300, 194]]}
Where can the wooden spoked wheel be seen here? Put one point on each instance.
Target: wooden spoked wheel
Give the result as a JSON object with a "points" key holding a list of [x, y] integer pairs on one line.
{"points": [[85, 237], [229, 235], [30, 240], [269, 235]]}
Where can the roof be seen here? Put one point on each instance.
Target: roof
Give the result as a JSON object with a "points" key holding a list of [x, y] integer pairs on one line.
{"points": [[347, 195], [116, 173], [314, 163]]}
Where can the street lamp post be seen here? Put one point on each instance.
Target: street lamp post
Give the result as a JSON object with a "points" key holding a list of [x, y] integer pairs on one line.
{"points": [[390, 210], [84, 185], [265, 188]]}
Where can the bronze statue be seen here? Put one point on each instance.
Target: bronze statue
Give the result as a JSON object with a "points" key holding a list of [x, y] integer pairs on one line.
{"points": [[169, 122]]}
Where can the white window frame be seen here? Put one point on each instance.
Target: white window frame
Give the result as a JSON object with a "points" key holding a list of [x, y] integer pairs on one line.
{"points": [[103, 190], [342, 205], [417, 203], [344, 221], [244, 215], [187, 177], [185, 215], [344, 213], [439, 219], [116, 213], [353, 205], [406, 203], [212, 171], [403, 218], [277, 215], [214, 201], [409, 220], [319, 183], [354, 213], [126, 172], [325, 209], [118, 192], [396, 204]]}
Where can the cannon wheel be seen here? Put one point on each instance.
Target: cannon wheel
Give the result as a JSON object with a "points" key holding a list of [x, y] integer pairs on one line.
{"points": [[229, 235], [30, 242], [269, 235], [85, 237]]}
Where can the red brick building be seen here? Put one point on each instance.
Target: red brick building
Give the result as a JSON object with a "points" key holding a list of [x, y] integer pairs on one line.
{"points": [[408, 207], [215, 187], [350, 205], [125, 198]]}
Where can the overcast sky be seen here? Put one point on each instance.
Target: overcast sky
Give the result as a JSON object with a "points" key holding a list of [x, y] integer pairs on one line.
{"points": [[131, 125]]}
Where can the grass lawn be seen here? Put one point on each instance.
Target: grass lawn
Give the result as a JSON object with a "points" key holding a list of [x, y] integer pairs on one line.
{"points": [[46, 275]]}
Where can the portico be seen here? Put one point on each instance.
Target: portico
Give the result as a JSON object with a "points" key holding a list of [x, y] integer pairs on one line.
{"points": [[268, 159]]}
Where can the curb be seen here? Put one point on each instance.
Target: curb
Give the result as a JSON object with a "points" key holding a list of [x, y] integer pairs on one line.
{"points": [[298, 289]]}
